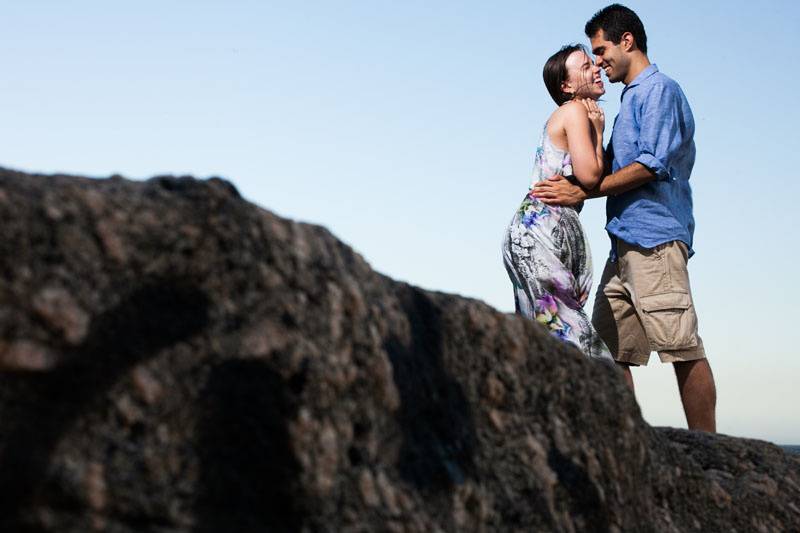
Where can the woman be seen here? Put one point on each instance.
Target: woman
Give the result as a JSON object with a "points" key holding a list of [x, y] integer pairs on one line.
{"points": [[545, 250]]}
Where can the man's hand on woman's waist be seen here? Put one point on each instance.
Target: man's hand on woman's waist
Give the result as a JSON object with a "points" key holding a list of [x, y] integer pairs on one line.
{"points": [[557, 190]]}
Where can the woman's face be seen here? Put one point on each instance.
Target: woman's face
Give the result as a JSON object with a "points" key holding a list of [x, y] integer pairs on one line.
{"points": [[583, 77]]}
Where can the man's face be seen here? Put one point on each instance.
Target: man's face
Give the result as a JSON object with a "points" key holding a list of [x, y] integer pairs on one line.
{"points": [[610, 57]]}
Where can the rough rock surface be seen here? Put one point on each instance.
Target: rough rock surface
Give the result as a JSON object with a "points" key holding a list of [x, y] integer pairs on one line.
{"points": [[176, 359]]}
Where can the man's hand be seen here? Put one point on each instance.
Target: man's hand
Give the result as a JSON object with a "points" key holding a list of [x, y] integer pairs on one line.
{"points": [[556, 190]]}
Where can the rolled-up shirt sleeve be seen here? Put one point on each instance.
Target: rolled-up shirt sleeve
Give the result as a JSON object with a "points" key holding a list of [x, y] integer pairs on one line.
{"points": [[661, 133]]}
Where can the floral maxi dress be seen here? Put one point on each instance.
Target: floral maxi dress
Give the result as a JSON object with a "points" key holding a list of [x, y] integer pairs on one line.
{"points": [[547, 257]]}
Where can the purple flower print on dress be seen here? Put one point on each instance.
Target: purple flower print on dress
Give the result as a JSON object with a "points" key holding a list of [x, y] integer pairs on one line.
{"points": [[564, 288], [566, 165], [529, 219], [563, 333], [546, 313], [547, 302], [532, 210]]}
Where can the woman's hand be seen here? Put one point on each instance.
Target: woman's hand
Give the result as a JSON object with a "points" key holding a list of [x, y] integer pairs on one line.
{"points": [[596, 115]]}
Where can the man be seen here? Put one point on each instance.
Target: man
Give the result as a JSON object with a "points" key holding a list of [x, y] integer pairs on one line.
{"points": [[644, 301]]}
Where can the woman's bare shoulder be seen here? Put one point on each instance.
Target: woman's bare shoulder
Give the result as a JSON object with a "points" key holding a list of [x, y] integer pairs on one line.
{"points": [[572, 110], [569, 111]]}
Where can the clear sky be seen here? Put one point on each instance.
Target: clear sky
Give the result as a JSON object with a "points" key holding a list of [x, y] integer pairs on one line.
{"points": [[408, 129]]}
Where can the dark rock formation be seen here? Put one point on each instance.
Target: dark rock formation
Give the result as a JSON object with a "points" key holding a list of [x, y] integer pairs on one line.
{"points": [[177, 359]]}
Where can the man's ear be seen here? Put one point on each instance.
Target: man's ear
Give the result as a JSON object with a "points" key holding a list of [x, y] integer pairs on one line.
{"points": [[628, 41]]}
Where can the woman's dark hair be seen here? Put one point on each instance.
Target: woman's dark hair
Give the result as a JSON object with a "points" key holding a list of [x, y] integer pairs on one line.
{"points": [[555, 72], [615, 20]]}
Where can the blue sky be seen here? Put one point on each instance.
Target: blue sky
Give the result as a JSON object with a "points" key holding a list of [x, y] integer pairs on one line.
{"points": [[408, 129]]}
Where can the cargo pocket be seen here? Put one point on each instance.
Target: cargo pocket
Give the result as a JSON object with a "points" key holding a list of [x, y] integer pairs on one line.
{"points": [[669, 321]]}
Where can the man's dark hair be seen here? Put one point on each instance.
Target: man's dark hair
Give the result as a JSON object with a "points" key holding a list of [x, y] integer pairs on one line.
{"points": [[615, 20], [555, 72]]}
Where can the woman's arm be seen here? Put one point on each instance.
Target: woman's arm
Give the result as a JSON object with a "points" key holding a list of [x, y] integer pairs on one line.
{"points": [[585, 143], [598, 119]]}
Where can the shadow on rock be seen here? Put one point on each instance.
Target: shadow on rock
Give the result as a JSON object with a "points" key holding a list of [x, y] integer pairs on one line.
{"points": [[435, 418], [248, 472], [155, 316]]}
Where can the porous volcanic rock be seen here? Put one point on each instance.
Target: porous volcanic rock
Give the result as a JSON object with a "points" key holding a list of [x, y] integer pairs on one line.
{"points": [[176, 359]]}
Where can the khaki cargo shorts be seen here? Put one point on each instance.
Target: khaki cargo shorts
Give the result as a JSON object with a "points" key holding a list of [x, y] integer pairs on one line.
{"points": [[644, 304]]}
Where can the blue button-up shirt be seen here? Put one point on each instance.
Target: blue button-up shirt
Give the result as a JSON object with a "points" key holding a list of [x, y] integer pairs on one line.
{"points": [[654, 127]]}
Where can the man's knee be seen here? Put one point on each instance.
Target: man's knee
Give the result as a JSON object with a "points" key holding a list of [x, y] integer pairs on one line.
{"points": [[699, 366]]}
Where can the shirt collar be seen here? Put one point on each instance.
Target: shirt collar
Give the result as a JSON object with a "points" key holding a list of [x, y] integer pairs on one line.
{"points": [[643, 75]]}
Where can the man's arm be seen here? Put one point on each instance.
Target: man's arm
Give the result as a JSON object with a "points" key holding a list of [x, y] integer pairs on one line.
{"points": [[623, 180], [559, 191]]}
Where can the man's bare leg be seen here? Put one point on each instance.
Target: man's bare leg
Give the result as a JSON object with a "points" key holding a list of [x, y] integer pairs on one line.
{"points": [[698, 394], [626, 371]]}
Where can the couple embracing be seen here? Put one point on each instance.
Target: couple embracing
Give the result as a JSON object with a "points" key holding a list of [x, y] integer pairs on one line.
{"points": [[643, 302]]}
